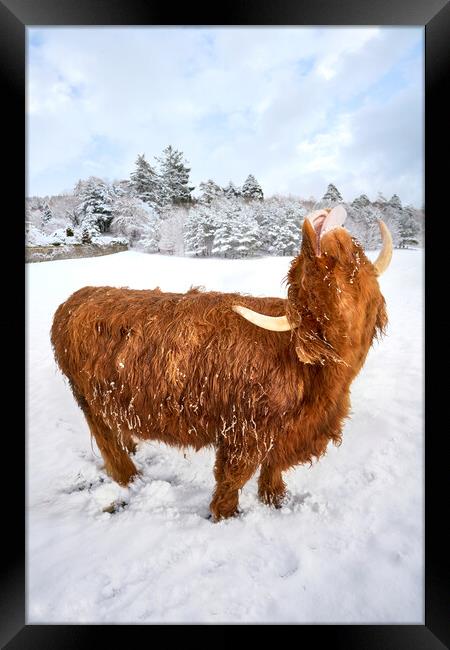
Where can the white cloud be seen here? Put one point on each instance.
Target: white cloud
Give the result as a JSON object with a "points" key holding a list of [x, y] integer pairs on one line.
{"points": [[290, 105]]}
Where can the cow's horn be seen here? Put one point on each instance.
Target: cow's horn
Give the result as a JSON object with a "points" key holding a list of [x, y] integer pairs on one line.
{"points": [[274, 323], [385, 256]]}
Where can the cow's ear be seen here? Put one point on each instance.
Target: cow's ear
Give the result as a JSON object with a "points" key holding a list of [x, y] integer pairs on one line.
{"points": [[309, 239]]}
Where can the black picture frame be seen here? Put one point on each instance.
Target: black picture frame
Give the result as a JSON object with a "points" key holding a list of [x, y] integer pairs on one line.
{"points": [[434, 16]]}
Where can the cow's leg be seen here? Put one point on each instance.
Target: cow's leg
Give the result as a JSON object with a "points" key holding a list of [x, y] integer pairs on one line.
{"points": [[271, 487], [231, 475], [118, 464]]}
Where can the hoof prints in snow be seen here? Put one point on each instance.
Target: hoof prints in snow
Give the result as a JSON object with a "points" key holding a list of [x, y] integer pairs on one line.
{"points": [[83, 485], [115, 507]]}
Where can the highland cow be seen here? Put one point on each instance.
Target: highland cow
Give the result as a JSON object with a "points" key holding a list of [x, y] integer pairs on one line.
{"points": [[265, 381]]}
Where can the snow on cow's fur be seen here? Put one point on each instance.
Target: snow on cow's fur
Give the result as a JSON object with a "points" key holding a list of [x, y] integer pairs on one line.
{"points": [[187, 370]]}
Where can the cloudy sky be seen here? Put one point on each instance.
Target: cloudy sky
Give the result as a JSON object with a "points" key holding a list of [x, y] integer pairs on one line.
{"points": [[297, 107]]}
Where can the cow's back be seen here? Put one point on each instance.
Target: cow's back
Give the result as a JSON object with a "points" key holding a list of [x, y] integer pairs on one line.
{"points": [[94, 318], [171, 359]]}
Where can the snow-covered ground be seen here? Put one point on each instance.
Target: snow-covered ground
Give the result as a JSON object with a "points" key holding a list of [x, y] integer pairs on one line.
{"points": [[348, 545]]}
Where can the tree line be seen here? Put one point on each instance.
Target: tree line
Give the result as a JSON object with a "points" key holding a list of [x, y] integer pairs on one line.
{"points": [[154, 211]]}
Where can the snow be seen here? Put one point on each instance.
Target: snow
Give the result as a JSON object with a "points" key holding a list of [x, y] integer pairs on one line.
{"points": [[346, 548], [36, 237]]}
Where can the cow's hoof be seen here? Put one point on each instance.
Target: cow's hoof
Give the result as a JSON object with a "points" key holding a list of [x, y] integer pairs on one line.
{"points": [[215, 518], [273, 500]]}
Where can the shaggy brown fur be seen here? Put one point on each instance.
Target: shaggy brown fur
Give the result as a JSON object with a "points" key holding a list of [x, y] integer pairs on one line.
{"points": [[187, 370]]}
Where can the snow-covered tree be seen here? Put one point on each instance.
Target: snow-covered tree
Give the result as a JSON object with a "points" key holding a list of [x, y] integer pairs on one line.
{"points": [[225, 227], [33, 213], [149, 242], [231, 190], [361, 202], [63, 207], [64, 236], [199, 229], [134, 219], [123, 187], [251, 189], [94, 204], [331, 198], [246, 233], [145, 182], [308, 203], [391, 217], [418, 214], [395, 202], [280, 222], [390, 212], [362, 222], [47, 214], [237, 233], [154, 212], [225, 241], [286, 236], [89, 228], [381, 201], [174, 175], [409, 228], [34, 236], [209, 191], [172, 223], [72, 217]]}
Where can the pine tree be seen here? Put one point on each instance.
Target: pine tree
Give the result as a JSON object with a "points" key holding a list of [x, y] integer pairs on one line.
{"points": [[199, 229], [267, 214], [395, 202], [251, 190], [209, 191], [389, 212], [231, 191], [85, 236], [47, 214], [287, 235], [381, 201], [246, 233], [362, 222], [237, 234], [89, 229], [331, 198], [418, 216], [280, 222], [409, 228], [360, 202], [122, 188], [145, 182], [224, 238], [174, 174], [94, 203]]}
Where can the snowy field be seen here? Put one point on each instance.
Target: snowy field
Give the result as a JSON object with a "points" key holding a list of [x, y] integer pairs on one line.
{"points": [[346, 548]]}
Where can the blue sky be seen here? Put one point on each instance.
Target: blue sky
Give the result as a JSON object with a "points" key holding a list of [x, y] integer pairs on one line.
{"points": [[297, 107]]}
